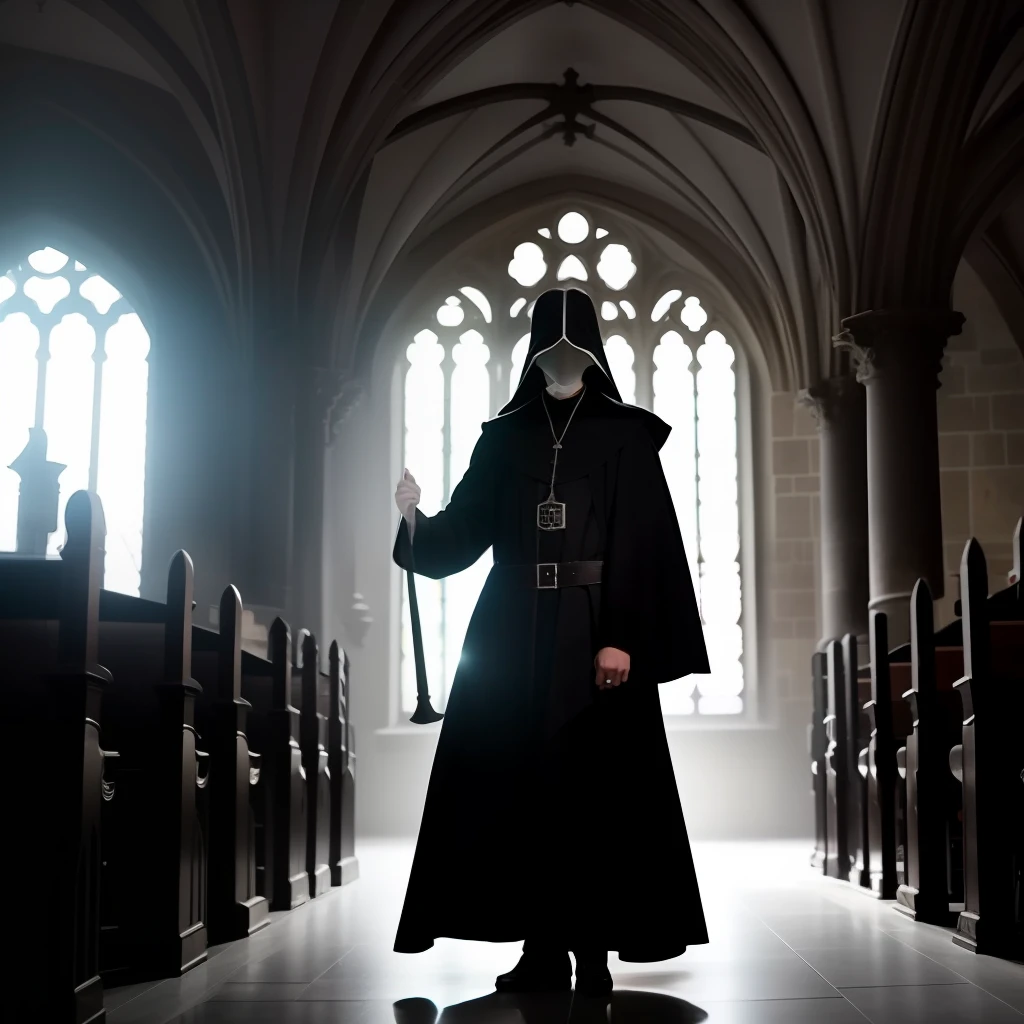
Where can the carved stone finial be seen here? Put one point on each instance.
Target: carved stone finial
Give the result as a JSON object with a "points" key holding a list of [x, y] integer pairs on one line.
{"points": [[38, 495]]}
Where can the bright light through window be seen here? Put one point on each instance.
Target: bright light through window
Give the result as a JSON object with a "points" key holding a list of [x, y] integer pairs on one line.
{"points": [[68, 337]]}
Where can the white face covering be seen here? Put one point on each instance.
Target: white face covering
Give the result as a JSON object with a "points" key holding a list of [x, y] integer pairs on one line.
{"points": [[563, 364], [563, 368]]}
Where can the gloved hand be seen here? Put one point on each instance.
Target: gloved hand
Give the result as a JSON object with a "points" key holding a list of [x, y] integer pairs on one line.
{"points": [[407, 497]]}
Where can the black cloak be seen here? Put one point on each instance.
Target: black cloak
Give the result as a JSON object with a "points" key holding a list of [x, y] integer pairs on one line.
{"points": [[552, 808]]}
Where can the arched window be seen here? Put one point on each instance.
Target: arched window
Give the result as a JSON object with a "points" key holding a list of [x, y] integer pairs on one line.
{"points": [[666, 352], [73, 360]]}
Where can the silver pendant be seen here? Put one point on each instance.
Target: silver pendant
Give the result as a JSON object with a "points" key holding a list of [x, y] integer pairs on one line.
{"points": [[551, 515]]}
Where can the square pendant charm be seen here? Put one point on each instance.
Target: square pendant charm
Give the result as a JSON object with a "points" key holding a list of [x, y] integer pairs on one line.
{"points": [[551, 515]]}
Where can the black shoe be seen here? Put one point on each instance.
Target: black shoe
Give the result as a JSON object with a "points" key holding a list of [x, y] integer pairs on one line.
{"points": [[536, 973], [593, 979]]}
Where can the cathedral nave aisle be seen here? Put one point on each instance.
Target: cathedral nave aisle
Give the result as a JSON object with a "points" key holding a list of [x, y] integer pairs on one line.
{"points": [[788, 947]]}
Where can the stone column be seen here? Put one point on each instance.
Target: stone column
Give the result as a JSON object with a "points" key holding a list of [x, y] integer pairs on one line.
{"points": [[265, 577], [899, 356], [839, 406], [326, 396]]}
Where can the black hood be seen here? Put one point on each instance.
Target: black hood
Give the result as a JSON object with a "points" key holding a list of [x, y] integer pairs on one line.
{"points": [[568, 314], [564, 314]]}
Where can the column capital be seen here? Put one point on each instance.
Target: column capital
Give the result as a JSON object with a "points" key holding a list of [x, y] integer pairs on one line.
{"points": [[885, 341], [337, 392], [832, 398]]}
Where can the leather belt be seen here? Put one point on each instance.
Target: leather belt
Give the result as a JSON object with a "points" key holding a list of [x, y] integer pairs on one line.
{"points": [[552, 575]]}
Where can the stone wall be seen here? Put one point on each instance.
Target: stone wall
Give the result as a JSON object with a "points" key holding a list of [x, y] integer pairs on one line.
{"points": [[981, 437]]}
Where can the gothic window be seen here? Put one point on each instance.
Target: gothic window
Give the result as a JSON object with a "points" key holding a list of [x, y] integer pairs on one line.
{"points": [[666, 352], [73, 360]]}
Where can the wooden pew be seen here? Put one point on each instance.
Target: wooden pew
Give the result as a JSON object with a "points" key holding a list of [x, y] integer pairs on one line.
{"points": [[312, 741], [53, 684], [154, 846], [945, 854], [341, 762], [858, 731], [837, 767], [846, 789], [279, 806], [235, 908], [817, 742], [933, 885], [150, 845], [990, 761], [889, 723]]}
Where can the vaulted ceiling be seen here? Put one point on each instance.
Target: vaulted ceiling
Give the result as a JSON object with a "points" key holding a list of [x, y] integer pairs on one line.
{"points": [[814, 157]]}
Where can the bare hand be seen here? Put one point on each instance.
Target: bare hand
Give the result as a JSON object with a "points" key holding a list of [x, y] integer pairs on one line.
{"points": [[612, 667], [407, 496]]}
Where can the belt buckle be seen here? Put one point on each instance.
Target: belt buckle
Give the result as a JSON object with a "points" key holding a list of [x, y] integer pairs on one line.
{"points": [[547, 571]]}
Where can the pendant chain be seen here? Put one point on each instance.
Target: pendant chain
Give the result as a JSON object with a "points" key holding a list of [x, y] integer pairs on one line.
{"points": [[558, 440]]}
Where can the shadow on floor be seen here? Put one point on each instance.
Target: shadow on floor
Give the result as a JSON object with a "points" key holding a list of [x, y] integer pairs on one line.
{"points": [[628, 1007]]}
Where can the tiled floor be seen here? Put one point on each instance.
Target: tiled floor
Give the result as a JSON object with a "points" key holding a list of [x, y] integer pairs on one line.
{"points": [[786, 947]]}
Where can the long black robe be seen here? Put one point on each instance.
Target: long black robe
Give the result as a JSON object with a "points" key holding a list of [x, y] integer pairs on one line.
{"points": [[552, 808]]}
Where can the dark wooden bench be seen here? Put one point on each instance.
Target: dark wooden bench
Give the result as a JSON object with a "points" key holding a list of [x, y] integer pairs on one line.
{"points": [[846, 785], [313, 743], [932, 889], [856, 690], [931, 813], [279, 804], [837, 767], [154, 840], [341, 762], [150, 845], [889, 724], [990, 759], [235, 907], [817, 742], [52, 684]]}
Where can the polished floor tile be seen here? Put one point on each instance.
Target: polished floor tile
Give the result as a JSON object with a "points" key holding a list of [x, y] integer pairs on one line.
{"points": [[258, 991], [781, 978], [931, 1004], [787, 947], [276, 1013], [1002, 978], [881, 961]]}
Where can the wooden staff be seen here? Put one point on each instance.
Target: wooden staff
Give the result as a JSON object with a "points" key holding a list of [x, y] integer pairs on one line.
{"points": [[424, 713]]}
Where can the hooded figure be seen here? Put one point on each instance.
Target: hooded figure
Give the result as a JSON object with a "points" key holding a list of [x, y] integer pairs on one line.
{"points": [[552, 813]]}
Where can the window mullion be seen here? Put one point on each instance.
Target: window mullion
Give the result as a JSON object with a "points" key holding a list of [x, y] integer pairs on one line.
{"points": [[644, 365], [447, 366], [500, 366], [45, 325], [692, 372], [99, 358]]}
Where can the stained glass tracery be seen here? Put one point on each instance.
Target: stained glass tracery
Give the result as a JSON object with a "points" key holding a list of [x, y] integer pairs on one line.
{"points": [[462, 368], [73, 360]]}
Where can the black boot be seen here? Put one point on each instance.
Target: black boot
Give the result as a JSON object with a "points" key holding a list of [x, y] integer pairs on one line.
{"points": [[592, 975], [540, 969]]}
